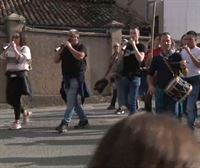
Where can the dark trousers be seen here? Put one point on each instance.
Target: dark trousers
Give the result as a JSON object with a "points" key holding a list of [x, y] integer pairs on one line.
{"points": [[114, 97], [13, 94], [148, 102]]}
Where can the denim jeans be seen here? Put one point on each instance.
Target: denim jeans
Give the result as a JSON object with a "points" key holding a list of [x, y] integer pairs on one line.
{"points": [[120, 97], [130, 93], [72, 101], [163, 103], [191, 109]]}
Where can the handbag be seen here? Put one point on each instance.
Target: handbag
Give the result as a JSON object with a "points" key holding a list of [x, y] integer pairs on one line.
{"points": [[100, 85], [26, 88]]}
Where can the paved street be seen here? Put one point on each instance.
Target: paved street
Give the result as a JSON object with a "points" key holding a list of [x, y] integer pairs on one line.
{"points": [[38, 145]]}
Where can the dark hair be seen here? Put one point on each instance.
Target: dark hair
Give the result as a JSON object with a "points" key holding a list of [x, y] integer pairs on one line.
{"points": [[22, 38], [147, 141], [183, 36], [135, 27], [193, 33], [181, 40]]}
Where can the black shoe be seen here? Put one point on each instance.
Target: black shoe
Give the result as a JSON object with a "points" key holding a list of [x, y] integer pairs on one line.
{"points": [[82, 124], [111, 107], [119, 111], [62, 128]]}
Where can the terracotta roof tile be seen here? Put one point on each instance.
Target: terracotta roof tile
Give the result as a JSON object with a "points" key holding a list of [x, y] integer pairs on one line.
{"points": [[68, 13]]}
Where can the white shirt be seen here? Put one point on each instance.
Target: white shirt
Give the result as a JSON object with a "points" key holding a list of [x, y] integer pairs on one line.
{"points": [[18, 65], [193, 70]]}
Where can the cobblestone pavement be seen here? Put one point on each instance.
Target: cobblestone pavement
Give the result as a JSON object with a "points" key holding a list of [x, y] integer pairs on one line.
{"points": [[38, 145]]}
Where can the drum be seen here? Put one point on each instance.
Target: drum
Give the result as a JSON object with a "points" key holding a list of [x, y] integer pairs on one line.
{"points": [[178, 89]]}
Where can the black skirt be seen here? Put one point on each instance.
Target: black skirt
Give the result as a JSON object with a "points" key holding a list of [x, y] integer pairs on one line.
{"points": [[17, 84]]}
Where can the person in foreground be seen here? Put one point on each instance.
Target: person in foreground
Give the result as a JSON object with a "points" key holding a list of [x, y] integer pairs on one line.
{"points": [[17, 56], [73, 62], [147, 141]]}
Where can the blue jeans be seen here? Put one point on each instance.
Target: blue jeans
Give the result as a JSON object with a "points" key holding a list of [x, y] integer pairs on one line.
{"points": [[163, 103], [72, 101], [191, 109], [130, 93], [120, 98]]}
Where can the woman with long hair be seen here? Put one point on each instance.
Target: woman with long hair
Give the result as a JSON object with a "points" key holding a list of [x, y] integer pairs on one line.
{"points": [[17, 56]]}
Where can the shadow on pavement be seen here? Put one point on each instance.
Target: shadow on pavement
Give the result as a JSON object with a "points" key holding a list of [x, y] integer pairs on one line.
{"points": [[51, 161]]}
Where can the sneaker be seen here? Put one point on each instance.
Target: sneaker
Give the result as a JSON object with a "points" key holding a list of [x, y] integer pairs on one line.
{"points": [[27, 113], [15, 125], [62, 128], [26, 116], [119, 111], [82, 124], [111, 108]]}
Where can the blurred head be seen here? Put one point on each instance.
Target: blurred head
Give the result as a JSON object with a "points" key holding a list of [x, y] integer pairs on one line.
{"points": [[19, 38], [157, 41], [183, 41], [191, 39], [173, 46], [116, 47], [135, 33], [165, 42], [73, 36], [147, 141]]}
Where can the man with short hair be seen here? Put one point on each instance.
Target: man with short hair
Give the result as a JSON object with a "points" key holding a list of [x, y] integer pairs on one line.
{"points": [[73, 63], [163, 102], [131, 75], [191, 53]]}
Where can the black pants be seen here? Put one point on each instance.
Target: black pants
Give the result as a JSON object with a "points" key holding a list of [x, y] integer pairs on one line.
{"points": [[114, 97], [14, 93], [148, 102]]}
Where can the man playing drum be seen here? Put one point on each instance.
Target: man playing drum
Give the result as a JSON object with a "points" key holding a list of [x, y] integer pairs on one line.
{"points": [[163, 102]]}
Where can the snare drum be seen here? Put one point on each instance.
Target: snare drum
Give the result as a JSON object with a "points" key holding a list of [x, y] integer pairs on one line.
{"points": [[178, 89]]}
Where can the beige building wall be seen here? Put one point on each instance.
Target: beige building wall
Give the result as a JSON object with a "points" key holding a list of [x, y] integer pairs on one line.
{"points": [[3, 39], [46, 75]]}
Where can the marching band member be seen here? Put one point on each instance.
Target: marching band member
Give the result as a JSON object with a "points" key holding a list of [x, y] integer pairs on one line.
{"points": [[163, 102], [131, 75], [72, 56], [17, 56], [191, 53]]}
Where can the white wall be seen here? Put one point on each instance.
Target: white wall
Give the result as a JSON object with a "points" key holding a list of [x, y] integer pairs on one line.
{"points": [[181, 16]]}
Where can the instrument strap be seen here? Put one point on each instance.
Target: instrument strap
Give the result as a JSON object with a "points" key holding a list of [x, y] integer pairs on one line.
{"points": [[169, 67]]}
